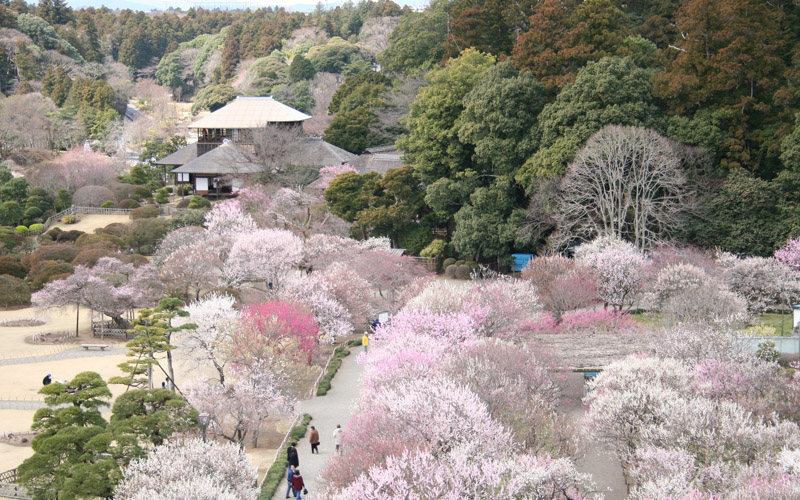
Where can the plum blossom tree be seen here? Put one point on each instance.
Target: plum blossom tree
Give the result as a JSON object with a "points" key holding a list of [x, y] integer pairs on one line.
{"points": [[508, 304], [388, 273], [191, 268], [215, 320], [761, 281], [229, 218], [283, 328], [329, 173], [562, 284], [789, 254], [246, 397], [467, 472], [111, 287], [318, 295], [73, 170], [208, 470], [650, 403], [620, 274], [264, 255]]}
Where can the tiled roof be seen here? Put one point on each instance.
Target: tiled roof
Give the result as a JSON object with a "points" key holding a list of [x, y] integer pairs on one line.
{"points": [[250, 112]]}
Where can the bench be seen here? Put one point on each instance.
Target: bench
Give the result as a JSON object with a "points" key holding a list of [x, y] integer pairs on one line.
{"points": [[102, 347]]}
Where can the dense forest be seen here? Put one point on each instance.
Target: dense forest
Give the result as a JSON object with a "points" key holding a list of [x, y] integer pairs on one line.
{"points": [[494, 103]]}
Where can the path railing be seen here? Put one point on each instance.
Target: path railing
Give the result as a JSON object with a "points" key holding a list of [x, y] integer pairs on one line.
{"points": [[104, 329], [74, 210], [9, 487]]}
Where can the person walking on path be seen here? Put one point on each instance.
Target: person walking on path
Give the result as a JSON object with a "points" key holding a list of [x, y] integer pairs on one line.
{"points": [[337, 438], [298, 484], [289, 476], [314, 440], [365, 342], [294, 459]]}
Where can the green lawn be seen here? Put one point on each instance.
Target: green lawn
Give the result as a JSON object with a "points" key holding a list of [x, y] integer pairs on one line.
{"points": [[775, 320]]}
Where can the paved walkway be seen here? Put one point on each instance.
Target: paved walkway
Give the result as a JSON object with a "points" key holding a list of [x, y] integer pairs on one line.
{"points": [[602, 464], [336, 407], [78, 352]]}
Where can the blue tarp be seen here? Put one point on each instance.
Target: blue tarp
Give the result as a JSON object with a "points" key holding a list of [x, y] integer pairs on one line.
{"points": [[520, 260]]}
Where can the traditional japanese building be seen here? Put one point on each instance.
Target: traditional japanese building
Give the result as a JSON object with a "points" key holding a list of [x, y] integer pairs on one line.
{"points": [[224, 154]]}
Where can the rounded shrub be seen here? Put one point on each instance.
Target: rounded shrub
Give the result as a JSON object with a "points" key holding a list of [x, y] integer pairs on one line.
{"points": [[148, 212], [36, 228], [169, 189], [448, 262], [21, 230], [129, 203], [108, 204], [162, 196], [69, 219], [462, 272], [434, 249], [140, 192], [13, 291], [33, 212], [460, 262], [199, 202], [450, 271]]}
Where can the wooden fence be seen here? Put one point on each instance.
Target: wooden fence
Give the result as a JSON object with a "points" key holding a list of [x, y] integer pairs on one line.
{"points": [[102, 329], [9, 487]]}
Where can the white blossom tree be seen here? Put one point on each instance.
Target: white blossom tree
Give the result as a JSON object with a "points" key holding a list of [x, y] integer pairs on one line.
{"points": [[179, 469]]}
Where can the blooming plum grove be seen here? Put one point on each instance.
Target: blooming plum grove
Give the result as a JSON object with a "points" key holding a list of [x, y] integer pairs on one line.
{"points": [[449, 406]]}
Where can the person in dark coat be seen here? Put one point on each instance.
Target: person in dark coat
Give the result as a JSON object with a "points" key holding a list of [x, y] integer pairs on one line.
{"points": [[297, 483], [289, 476], [314, 440], [47, 380], [294, 459]]}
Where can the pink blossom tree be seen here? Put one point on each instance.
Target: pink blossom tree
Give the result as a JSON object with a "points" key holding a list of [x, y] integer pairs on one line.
{"points": [[468, 472], [562, 284], [789, 254], [265, 255], [278, 328], [387, 272], [111, 287], [75, 169], [247, 396], [209, 470], [318, 295], [329, 173]]}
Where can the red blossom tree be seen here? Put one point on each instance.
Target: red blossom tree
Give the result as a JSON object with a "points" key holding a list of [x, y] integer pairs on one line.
{"points": [[282, 328]]}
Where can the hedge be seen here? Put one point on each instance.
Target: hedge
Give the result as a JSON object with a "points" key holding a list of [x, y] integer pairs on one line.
{"points": [[333, 367], [277, 473]]}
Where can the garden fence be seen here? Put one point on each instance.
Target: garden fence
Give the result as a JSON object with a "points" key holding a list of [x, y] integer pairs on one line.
{"points": [[73, 210], [784, 345]]}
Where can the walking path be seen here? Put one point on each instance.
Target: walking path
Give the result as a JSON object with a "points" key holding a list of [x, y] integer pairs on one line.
{"points": [[336, 407], [78, 352]]}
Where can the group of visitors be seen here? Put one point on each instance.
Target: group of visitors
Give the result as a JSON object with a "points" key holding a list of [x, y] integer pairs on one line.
{"points": [[296, 486]]}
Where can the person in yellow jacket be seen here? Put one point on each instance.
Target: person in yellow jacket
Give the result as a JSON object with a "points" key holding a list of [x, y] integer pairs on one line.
{"points": [[365, 342]]}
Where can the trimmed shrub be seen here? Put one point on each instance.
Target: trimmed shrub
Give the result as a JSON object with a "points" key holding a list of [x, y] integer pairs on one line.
{"points": [[135, 259], [434, 249], [11, 264], [33, 212], [140, 192], [69, 219], [92, 196], [325, 384], [148, 212], [108, 240], [462, 272], [115, 228], [63, 252], [187, 218], [448, 262], [46, 271], [71, 235], [460, 262], [35, 228], [108, 204], [277, 472], [199, 202], [21, 230], [53, 233], [89, 255], [169, 189], [129, 203], [13, 291], [162, 196], [184, 203], [144, 234], [767, 352], [450, 271]]}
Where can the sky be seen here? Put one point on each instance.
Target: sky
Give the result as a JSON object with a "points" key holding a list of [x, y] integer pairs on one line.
{"points": [[298, 5]]}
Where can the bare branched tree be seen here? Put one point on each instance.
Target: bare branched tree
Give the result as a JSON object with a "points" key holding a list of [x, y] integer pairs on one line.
{"points": [[627, 182]]}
